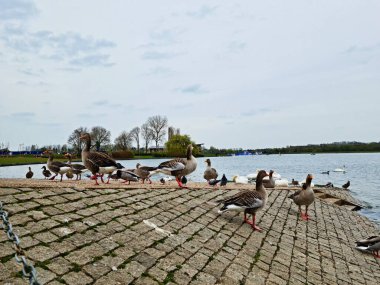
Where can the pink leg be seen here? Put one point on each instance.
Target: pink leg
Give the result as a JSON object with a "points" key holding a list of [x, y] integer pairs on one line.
{"points": [[376, 254], [150, 181], [179, 182], [108, 180], [254, 227]]}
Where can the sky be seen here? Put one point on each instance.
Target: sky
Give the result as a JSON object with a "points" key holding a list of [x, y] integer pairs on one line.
{"points": [[249, 74]]}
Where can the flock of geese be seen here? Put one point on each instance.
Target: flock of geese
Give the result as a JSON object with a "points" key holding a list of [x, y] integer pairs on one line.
{"points": [[247, 201]]}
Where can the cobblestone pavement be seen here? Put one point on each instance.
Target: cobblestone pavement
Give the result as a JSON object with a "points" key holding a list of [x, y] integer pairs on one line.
{"points": [[138, 235]]}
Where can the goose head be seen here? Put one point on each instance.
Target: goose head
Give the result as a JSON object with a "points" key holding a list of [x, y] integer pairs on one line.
{"points": [[208, 162], [260, 176], [309, 177]]}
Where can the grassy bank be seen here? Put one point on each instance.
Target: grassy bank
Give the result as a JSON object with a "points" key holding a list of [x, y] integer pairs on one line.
{"points": [[24, 160]]}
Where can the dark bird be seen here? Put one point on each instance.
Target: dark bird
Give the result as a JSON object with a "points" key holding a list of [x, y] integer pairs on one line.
{"points": [[29, 174], [210, 173], [98, 163], [214, 182], [127, 176], [295, 182], [305, 196], [145, 172], [179, 167], [329, 185], [56, 167], [45, 172], [345, 186], [162, 180], [184, 180], [76, 168], [326, 172], [248, 201], [371, 244], [223, 181], [270, 182]]}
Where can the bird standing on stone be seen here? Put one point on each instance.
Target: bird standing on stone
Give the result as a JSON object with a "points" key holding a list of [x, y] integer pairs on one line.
{"points": [[270, 183], [179, 167], [45, 172], [346, 185], [295, 182], [145, 172], [77, 168], [223, 181], [305, 196], [29, 174], [69, 174], [98, 163], [126, 175], [210, 173], [371, 244], [248, 201], [184, 180], [56, 167]]}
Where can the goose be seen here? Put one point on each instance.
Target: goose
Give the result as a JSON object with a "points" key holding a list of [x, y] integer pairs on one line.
{"points": [[305, 196], [45, 172], [77, 169], [269, 183], [56, 167], [371, 244], [98, 163], [248, 201], [127, 175], [29, 174], [145, 172], [346, 185], [179, 167], [210, 173]]}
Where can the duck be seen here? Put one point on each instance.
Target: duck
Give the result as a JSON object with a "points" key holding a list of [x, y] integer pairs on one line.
{"points": [[77, 168], [370, 244], [326, 172], [145, 172], [29, 174], [346, 185], [98, 163], [295, 182], [305, 196], [127, 175], [210, 173], [247, 201], [69, 174], [184, 180], [56, 167], [269, 183], [179, 167], [45, 172]]}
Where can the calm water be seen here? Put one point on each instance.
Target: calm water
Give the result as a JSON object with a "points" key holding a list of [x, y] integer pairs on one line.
{"points": [[363, 170]]}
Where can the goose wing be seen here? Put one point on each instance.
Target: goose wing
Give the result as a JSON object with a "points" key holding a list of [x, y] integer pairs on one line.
{"points": [[101, 159], [173, 165], [369, 241], [295, 194], [245, 199]]}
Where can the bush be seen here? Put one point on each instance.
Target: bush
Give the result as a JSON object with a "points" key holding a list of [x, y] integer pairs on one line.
{"points": [[159, 154], [126, 154]]}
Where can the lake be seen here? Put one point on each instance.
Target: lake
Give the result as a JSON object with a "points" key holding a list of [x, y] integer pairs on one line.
{"points": [[362, 169]]}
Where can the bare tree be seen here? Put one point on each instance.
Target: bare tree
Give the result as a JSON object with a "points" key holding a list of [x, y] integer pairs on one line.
{"points": [[123, 141], [135, 134], [100, 136], [158, 125], [147, 135], [74, 140]]}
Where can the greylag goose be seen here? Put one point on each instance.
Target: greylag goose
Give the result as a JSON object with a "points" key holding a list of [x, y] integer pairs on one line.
{"points": [[248, 201], [127, 176], [210, 173], [77, 168], [98, 163], [305, 196], [29, 174], [371, 244], [270, 182], [45, 172], [179, 167], [145, 172], [56, 167], [345, 186]]}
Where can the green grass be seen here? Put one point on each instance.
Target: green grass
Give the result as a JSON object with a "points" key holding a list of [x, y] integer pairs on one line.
{"points": [[24, 160]]}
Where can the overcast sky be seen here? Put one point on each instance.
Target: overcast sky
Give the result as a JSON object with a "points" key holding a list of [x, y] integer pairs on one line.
{"points": [[228, 73]]}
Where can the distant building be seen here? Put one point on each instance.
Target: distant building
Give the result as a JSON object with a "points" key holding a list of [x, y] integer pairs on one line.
{"points": [[156, 149]]}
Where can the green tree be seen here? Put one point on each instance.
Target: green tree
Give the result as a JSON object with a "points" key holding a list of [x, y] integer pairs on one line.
{"points": [[177, 146]]}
